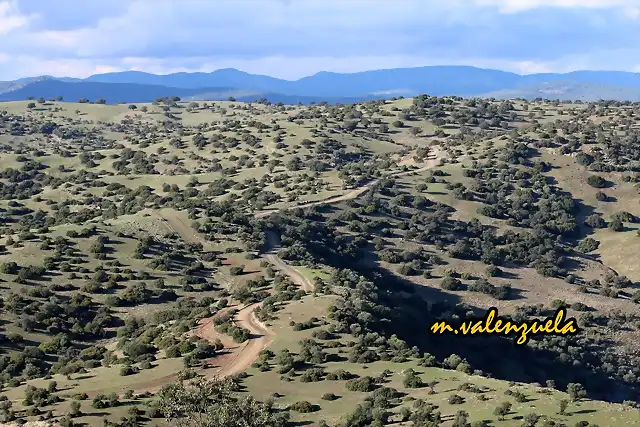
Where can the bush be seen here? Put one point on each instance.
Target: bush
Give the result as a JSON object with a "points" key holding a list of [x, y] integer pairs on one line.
{"points": [[412, 380], [312, 375], [322, 334], [74, 408], [596, 181], [483, 286], [595, 221], [616, 225], [128, 370], [364, 384], [455, 399], [407, 270], [502, 292], [584, 159], [236, 270], [600, 196], [340, 375], [493, 271], [451, 284], [578, 306], [304, 407], [588, 245]]}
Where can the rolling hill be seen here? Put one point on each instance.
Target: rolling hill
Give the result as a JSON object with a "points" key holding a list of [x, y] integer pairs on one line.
{"points": [[305, 253]]}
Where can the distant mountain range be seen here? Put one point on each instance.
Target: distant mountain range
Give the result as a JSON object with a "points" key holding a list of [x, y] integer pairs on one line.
{"points": [[50, 88], [135, 86]]}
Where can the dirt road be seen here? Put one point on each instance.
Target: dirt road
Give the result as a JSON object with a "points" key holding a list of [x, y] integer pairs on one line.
{"points": [[241, 356], [238, 357], [357, 192], [249, 351], [273, 243], [273, 240]]}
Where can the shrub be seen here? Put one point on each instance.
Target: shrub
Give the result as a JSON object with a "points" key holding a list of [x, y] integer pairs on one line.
{"points": [[340, 374], [596, 181], [236, 270], [329, 396], [595, 221], [576, 391], [616, 225], [304, 407], [407, 270], [588, 245], [364, 384], [412, 380], [74, 408], [493, 271], [455, 399], [128, 370], [600, 196], [451, 284], [578, 306]]}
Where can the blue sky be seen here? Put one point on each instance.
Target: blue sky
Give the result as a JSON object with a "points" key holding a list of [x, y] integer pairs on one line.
{"points": [[295, 38]]}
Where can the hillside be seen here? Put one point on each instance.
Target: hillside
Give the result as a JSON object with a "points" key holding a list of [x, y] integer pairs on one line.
{"points": [[283, 264]]}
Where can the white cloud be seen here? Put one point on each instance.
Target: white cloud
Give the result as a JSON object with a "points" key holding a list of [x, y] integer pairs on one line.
{"points": [[632, 12], [29, 66], [514, 6], [294, 38], [532, 67], [10, 19]]}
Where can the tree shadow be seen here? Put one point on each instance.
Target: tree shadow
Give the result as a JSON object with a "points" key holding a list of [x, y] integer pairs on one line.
{"points": [[411, 319], [584, 411]]}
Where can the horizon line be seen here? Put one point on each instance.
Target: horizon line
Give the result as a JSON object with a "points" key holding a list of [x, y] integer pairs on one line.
{"points": [[323, 72]]}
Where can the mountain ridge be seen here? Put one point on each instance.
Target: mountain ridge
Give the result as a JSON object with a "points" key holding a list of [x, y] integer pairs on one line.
{"points": [[438, 80], [114, 93]]}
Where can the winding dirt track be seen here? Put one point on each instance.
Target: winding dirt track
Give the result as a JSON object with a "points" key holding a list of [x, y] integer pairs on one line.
{"points": [[273, 243], [241, 356], [357, 192]]}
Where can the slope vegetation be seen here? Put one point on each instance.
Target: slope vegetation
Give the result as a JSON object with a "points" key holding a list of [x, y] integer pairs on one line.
{"points": [[302, 253]]}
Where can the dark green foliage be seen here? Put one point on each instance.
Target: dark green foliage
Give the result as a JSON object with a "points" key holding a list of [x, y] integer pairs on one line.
{"points": [[451, 284], [304, 407], [455, 399], [596, 181], [412, 380], [215, 403], [588, 245], [364, 384]]}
